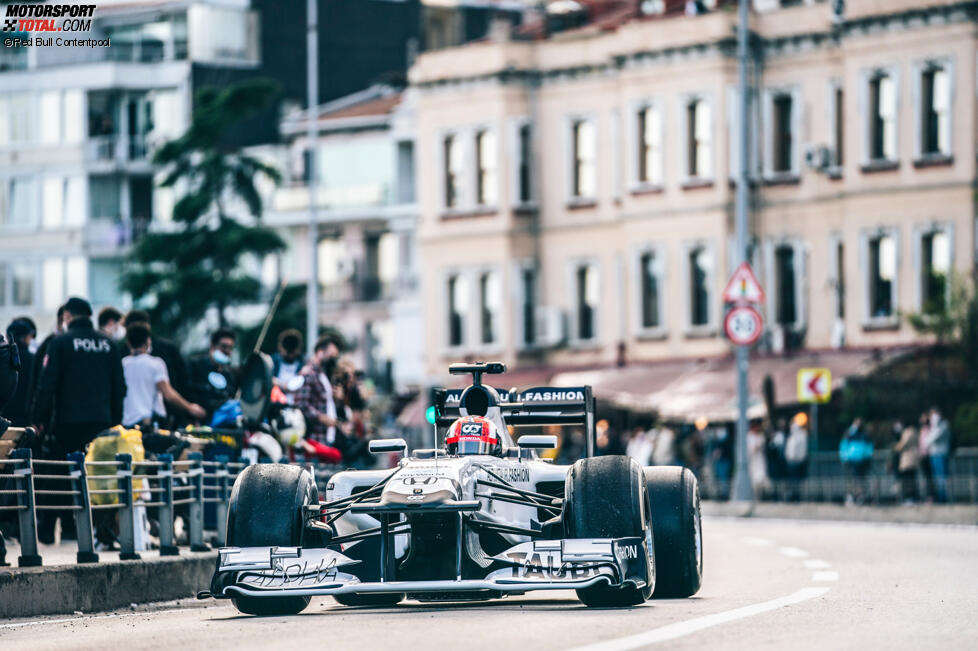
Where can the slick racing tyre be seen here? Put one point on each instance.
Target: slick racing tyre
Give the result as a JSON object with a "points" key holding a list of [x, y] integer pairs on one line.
{"points": [[266, 510], [675, 496], [606, 497], [378, 599]]}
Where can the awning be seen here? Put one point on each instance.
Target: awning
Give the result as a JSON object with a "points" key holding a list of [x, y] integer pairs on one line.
{"points": [[685, 390]]}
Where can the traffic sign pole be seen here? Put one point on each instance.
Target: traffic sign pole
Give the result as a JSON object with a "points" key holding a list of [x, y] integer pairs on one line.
{"points": [[741, 488]]}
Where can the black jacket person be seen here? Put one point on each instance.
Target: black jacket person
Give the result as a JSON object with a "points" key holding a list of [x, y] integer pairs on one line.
{"points": [[81, 388]]}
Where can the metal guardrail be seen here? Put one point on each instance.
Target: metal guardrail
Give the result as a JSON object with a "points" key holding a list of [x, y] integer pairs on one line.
{"points": [[165, 484]]}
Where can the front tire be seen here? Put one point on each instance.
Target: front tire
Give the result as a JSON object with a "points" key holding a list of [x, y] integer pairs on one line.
{"points": [[266, 510], [606, 497], [675, 497]]}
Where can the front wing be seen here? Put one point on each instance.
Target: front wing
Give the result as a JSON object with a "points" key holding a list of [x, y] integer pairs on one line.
{"points": [[537, 565]]}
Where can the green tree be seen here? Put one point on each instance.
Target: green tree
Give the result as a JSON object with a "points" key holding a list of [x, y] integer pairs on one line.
{"points": [[180, 273], [953, 321]]}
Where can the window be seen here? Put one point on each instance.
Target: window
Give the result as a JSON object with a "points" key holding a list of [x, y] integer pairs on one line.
{"points": [[882, 272], [53, 201], [17, 108], [525, 146], [650, 146], [17, 207], [838, 126], [528, 285], [486, 188], [650, 278], [586, 289], [453, 171], [935, 269], [489, 304], [50, 117], [74, 116], [882, 118], [585, 173], [935, 111], [786, 310], [700, 261], [3, 283], [457, 298], [22, 284], [699, 141], [782, 139]]}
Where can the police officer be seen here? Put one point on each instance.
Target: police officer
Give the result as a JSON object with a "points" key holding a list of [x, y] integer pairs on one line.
{"points": [[80, 392]]}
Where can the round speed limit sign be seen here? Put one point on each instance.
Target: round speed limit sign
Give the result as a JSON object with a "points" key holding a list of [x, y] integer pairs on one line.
{"points": [[743, 325]]}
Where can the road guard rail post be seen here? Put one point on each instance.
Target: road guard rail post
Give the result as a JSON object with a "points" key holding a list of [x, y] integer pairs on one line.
{"points": [[83, 511], [196, 509], [127, 511], [166, 515], [23, 472]]}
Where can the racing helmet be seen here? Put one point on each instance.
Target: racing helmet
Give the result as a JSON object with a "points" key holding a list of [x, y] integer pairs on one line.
{"points": [[473, 435]]}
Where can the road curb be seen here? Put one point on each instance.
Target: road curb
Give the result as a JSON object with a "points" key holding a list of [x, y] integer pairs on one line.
{"points": [[961, 514], [56, 590]]}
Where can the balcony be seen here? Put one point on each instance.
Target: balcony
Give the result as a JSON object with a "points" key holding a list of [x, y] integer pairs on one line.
{"points": [[112, 237], [369, 289], [116, 149]]}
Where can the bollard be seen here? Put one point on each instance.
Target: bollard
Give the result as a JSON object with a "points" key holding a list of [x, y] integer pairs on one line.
{"points": [[127, 514], [196, 510], [83, 514], [167, 548], [222, 500], [28, 515]]}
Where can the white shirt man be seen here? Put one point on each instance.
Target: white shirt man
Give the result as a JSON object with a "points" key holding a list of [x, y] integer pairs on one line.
{"points": [[148, 383]]}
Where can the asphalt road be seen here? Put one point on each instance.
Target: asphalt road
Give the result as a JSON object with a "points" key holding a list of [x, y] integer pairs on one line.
{"points": [[768, 584]]}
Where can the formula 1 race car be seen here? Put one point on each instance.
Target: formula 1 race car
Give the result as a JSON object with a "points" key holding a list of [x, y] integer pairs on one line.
{"points": [[478, 519]]}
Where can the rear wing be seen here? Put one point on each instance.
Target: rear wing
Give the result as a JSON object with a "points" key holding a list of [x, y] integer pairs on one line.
{"points": [[537, 406]]}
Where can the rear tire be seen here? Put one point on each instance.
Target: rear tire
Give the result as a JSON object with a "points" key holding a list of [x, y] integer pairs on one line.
{"points": [[606, 497], [376, 600], [266, 510], [675, 497]]}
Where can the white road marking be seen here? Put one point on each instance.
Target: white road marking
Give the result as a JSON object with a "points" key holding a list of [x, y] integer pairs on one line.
{"points": [[825, 575], [793, 552], [757, 542], [66, 620], [680, 629], [816, 564]]}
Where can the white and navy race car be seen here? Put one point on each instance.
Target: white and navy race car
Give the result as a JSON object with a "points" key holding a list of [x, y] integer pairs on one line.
{"points": [[480, 518]]}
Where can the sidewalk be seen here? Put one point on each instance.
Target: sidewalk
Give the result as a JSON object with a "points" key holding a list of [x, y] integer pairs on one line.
{"points": [[959, 514], [63, 586]]}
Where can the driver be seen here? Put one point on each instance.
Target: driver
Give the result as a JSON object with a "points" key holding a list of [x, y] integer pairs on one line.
{"points": [[473, 435]]}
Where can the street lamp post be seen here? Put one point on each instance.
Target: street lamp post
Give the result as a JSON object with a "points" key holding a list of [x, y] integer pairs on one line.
{"points": [[312, 88]]}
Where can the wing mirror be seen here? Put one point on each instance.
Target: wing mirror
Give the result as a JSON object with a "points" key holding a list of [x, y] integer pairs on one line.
{"points": [[380, 446], [538, 442]]}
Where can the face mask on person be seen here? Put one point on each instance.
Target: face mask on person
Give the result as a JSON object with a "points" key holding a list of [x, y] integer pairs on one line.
{"points": [[119, 333], [221, 357], [328, 365], [33, 346]]}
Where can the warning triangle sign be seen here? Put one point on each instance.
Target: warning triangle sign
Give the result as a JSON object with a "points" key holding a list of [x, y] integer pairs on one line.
{"points": [[743, 287]]}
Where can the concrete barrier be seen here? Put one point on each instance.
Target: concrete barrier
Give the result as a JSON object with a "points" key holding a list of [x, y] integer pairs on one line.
{"points": [[28, 592], [960, 514]]}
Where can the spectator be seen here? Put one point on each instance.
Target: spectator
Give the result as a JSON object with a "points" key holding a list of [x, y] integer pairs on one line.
{"points": [[287, 361], [640, 445], [907, 461], [148, 384], [923, 438], [757, 461], [856, 454], [938, 451], [315, 398], [664, 453], [722, 455], [213, 381], [776, 463], [40, 357], [165, 349], [80, 393], [21, 333], [351, 437], [110, 323], [796, 453]]}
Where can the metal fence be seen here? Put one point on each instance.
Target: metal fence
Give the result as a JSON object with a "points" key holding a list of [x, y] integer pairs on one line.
{"points": [[827, 481], [173, 487]]}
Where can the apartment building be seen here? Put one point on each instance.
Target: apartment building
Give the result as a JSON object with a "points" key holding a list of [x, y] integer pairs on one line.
{"points": [[366, 252], [576, 191], [77, 130]]}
